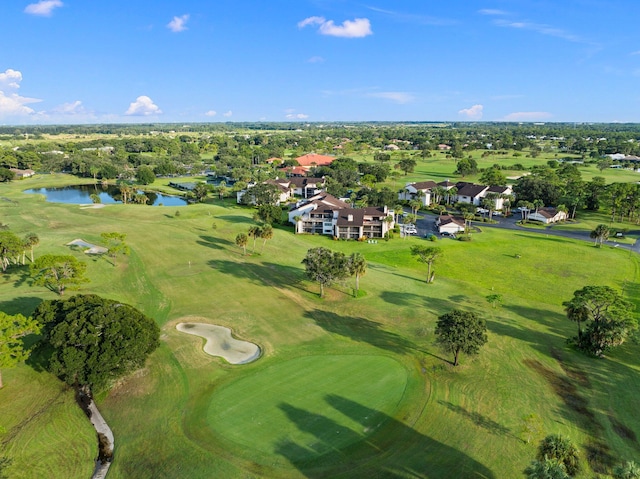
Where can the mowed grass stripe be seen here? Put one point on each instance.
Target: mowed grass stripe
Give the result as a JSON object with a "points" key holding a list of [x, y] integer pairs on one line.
{"points": [[289, 401]]}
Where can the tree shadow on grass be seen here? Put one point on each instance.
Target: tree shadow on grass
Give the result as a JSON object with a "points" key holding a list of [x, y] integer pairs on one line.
{"points": [[555, 322], [360, 329], [236, 219], [599, 455], [24, 305], [381, 447], [261, 273], [432, 304], [215, 243], [480, 420]]}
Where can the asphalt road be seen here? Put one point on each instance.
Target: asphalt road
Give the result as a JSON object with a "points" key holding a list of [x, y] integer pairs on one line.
{"points": [[426, 224]]}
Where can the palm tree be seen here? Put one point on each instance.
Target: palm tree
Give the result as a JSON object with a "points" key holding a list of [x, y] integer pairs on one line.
{"points": [[399, 210], [561, 449], [254, 231], [298, 220], [415, 206], [357, 267], [31, 240], [427, 255], [222, 190], [242, 240], [600, 234], [266, 234], [628, 470], [438, 194], [546, 469], [537, 204], [468, 218], [451, 193]]}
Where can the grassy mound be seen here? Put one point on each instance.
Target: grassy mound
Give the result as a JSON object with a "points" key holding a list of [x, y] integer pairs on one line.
{"points": [[298, 401]]}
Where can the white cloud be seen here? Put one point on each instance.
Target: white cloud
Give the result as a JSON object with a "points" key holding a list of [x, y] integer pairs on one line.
{"points": [[296, 116], [492, 11], [15, 105], [227, 113], [211, 113], [356, 28], [315, 60], [528, 116], [414, 18], [472, 113], [400, 97], [311, 21], [541, 29], [73, 108], [44, 8], [635, 53], [178, 24], [10, 79], [143, 106]]}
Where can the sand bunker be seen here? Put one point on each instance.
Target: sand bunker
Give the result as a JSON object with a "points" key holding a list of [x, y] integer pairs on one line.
{"points": [[91, 248], [221, 343]]}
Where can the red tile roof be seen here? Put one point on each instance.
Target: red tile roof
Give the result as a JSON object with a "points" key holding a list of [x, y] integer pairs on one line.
{"points": [[313, 159]]}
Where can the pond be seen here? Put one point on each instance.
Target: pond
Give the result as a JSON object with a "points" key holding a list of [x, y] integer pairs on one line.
{"points": [[81, 195]]}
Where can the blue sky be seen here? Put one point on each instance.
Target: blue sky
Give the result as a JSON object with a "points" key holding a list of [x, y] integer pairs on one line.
{"points": [[98, 61]]}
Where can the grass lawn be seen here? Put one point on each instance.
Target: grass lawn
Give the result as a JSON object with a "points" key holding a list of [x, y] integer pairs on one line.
{"points": [[346, 387]]}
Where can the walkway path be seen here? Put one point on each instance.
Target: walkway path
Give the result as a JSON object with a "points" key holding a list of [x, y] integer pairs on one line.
{"points": [[105, 441]]}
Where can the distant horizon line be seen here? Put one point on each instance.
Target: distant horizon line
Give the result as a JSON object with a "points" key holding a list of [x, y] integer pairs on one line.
{"points": [[332, 122]]}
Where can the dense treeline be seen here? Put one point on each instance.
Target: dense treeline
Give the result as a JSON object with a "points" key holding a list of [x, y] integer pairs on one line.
{"points": [[240, 151]]}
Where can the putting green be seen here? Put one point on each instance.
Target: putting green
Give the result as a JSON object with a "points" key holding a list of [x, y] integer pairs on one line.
{"points": [[306, 407]]}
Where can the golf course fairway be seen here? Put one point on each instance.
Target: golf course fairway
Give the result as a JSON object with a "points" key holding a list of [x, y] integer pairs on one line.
{"points": [[319, 403]]}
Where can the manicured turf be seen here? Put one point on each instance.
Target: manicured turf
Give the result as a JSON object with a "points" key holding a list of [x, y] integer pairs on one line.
{"points": [[292, 401]]}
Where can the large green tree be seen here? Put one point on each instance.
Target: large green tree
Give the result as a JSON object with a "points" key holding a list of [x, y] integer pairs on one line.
{"points": [[11, 247], [116, 244], [461, 332], [94, 340], [12, 330], [145, 175], [325, 266], [607, 316], [58, 272]]}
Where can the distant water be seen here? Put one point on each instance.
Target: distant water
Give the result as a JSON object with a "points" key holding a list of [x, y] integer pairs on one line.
{"points": [[81, 194]]}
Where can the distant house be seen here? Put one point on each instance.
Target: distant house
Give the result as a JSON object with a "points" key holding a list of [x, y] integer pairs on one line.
{"points": [[288, 187], [391, 147], [418, 191], [281, 186], [471, 193], [325, 214], [20, 174], [474, 194], [547, 215], [306, 187], [443, 147], [311, 160], [464, 192], [449, 224]]}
